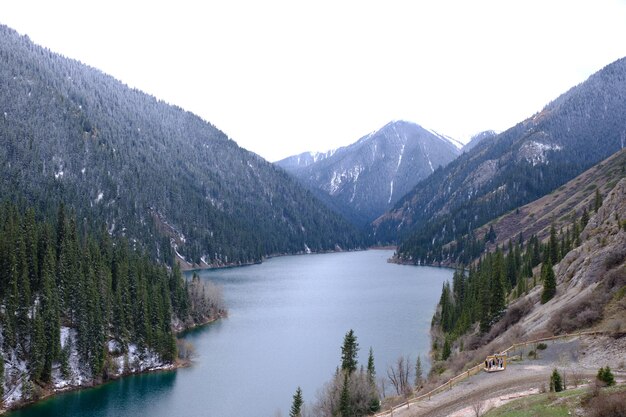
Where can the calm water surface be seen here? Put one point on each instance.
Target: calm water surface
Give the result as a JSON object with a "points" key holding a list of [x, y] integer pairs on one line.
{"points": [[287, 319]]}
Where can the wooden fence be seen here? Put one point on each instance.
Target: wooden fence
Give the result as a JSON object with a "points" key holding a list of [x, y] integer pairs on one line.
{"points": [[474, 370]]}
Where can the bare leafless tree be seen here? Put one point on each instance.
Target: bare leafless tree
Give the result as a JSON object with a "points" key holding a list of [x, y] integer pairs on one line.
{"points": [[361, 394], [382, 383], [186, 349], [399, 374], [206, 299], [478, 407]]}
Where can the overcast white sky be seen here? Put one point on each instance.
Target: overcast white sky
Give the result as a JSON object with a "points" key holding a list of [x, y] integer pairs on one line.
{"points": [[283, 77]]}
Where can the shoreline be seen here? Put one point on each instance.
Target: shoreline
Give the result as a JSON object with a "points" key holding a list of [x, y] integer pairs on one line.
{"points": [[187, 267], [49, 392]]}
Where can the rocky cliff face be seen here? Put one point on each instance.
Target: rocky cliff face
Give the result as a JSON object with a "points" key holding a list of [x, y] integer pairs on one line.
{"points": [[604, 244], [591, 279]]}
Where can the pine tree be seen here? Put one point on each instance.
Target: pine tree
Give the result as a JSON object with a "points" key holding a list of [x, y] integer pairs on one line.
{"points": [[498, 293], [554, 246], [1, 374], [37, 346], [66, 370], [584, 219], [12, 299], [296, 405], [549, 282], [418, 372], [606, 376], [447, 349], [349, 352], [345, 408], [371, 370], [556, 382], [597, 201], [484, 305], [50, 315]]}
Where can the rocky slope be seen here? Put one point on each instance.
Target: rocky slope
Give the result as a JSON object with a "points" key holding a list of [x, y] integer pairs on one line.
{"points": [[365, 179], [557, 207], [591, 279]]}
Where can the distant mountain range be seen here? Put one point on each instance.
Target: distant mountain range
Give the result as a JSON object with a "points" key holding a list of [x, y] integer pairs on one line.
{"points": [[577, 130], [365, 179], [167, 180]]}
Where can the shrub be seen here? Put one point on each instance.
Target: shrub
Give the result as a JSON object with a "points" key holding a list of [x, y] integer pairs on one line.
{"points": [[606, 376], [610, 405], [542, 346], [615, 258], [579, 315], [556, 382]]}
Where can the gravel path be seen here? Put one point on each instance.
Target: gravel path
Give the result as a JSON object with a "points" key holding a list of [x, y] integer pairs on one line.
{"points": [[575, 359]]}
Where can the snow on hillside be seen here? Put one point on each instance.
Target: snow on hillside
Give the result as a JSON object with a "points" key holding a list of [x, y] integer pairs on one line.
{"points": [[18, 387]]}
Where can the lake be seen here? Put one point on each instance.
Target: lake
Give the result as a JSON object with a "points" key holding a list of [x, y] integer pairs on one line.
{"points": [[287, 319]]}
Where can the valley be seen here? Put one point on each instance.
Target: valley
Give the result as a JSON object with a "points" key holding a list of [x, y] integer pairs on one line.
{"points": [[136, 236]]}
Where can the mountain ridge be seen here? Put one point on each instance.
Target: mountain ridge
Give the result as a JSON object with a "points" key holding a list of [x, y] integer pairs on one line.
{"points": [[578, 129], [152, 172], [365, 178]]}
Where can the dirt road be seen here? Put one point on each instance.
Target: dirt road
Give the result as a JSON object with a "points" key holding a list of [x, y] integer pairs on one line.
{"points": [[576, 360]]}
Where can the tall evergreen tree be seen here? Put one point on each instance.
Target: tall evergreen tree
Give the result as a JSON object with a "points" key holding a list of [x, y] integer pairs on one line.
{"points": [[556, 382], [50, 314], [447, 349], [37, 346], [584, 219], [344, 400], [498, 293], [371, 369], [597, 201], [549, 282], [553, 246], [296, 405], [419, 378], [349, 352]]}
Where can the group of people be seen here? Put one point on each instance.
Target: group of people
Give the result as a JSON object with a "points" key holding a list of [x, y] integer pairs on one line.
{"points": [[494, 362]]}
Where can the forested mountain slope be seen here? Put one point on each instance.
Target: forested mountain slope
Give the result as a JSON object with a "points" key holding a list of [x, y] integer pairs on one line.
{"points": [[150, 171], [574, 279], [575, 131], [79, 308], [365, 179], [575, 197]]}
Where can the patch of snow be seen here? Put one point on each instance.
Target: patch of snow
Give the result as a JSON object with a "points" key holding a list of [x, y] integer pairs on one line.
{"points": [[400, 158], [178, 254], [99, 198], [536, 152], [338, 178], [113, 346], [307, 249], [59, 174], [353, 192], [82, 171], [390, 192]]}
